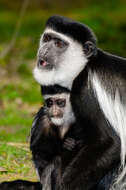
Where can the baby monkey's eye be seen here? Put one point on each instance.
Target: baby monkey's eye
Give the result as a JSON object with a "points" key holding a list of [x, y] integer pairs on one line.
{"points": [[46, 38], [61, 102], [49, 103]]}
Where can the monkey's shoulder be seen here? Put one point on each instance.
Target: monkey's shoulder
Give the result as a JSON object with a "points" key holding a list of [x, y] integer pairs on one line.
{"points": [[107, 63]]}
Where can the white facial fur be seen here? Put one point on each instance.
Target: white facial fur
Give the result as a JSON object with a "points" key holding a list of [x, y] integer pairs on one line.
{"points": [[72, 63]]}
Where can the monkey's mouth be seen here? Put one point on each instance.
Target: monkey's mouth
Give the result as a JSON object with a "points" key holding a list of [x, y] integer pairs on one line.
{"points": [[60, 116], [43, 63]]}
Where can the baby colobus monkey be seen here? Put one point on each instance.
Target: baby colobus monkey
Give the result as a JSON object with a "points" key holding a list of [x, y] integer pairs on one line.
{"points": [[47, 138], [68, 56], [50, 144]]}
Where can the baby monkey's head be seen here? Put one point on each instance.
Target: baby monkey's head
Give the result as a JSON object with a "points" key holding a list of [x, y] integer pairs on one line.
{"points": [[58, 108], [55, 107]]}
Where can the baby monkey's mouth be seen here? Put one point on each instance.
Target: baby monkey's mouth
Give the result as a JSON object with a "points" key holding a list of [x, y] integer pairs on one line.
{"points": [[57, 116]]}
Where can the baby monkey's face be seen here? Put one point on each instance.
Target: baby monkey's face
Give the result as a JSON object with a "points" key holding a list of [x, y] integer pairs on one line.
{"points": [[55, 107], [59, 109]]}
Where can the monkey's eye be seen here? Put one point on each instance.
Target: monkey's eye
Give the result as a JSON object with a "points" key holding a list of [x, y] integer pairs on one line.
{"points": [[61, 103], [59, 43], [49, 103], [46, 38]]}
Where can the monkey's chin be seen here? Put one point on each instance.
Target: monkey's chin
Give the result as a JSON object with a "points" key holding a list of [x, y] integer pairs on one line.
{"points": [[57, 121]]}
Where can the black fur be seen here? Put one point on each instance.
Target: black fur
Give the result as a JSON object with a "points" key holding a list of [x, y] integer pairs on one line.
{"points": [[44, 147], [20, 185], [76, 30], [53, 89]]}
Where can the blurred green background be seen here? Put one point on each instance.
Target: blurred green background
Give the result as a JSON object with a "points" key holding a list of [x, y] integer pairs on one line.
{"points": [[21, 24]]}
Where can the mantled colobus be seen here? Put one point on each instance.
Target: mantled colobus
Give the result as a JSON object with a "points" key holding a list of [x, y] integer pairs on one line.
{"points": [[68, 56], [55, 139]]}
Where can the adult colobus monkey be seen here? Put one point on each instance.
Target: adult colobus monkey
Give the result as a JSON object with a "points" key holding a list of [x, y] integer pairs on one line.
{"points": [[48, 144], [68, 57]]}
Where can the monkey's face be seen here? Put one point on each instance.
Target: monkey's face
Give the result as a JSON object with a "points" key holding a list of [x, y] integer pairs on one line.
{"points": [[55, 107], [51, 50], [59, 109], [60, 59]]}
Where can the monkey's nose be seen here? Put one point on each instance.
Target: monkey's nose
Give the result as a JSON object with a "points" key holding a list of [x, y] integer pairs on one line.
{"points": [[42, 63]]}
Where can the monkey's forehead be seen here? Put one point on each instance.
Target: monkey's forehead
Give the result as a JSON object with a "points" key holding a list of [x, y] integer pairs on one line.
{"points": [[65, 96], [56, 99], [76, 30]]}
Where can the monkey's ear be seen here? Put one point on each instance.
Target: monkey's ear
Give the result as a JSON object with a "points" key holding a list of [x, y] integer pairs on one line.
{"points": [[89, 49]]}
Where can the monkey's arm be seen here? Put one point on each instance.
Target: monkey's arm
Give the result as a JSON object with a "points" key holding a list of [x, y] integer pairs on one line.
{"points": [[90, 165], [69, 144]]}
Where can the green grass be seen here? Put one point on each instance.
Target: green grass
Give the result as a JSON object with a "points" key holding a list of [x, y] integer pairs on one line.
{"points": [[19, 101], [15, 160]]}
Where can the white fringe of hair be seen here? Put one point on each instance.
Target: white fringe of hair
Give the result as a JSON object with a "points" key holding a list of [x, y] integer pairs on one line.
{"points": [[115, 113]]}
